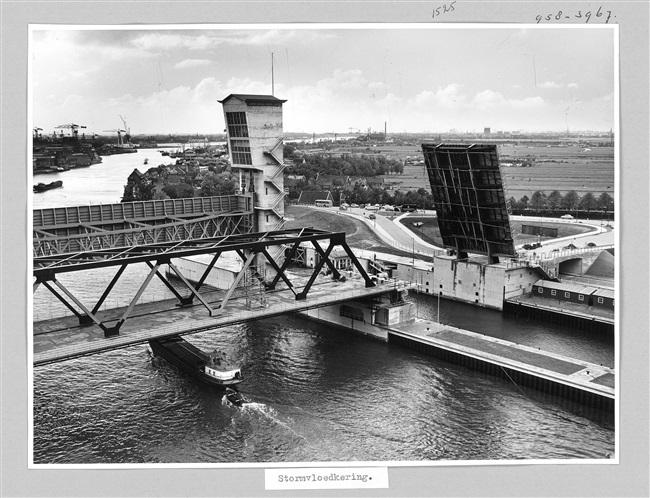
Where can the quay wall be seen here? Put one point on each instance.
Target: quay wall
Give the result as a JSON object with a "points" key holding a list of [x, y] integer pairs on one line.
{"points": [[550, 315], [531, 380]]}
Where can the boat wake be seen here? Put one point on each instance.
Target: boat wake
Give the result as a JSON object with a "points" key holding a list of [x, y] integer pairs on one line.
{"points": [[270, 414]]}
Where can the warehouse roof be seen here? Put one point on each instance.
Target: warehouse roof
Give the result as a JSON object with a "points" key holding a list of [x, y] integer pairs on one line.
{"points": [[605, 293]]}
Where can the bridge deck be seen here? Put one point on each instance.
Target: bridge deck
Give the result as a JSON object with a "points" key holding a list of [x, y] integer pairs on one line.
{"points": [[62, 338]]}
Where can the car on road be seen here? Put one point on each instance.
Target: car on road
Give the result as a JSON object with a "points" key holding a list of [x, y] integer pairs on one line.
{"points": [[371, 216], [566, 217]]}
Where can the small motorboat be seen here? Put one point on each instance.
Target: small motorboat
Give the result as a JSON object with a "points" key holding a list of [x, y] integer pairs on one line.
{"points": [[234, 397]]}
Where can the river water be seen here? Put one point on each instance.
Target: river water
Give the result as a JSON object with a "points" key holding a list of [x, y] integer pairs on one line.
{"points": [[316, 394]]}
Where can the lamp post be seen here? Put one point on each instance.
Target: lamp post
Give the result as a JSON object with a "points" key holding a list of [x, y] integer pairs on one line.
{"points": [[439, 291], [413, 253]]}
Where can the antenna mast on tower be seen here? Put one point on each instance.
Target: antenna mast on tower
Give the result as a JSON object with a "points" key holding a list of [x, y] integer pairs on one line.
{"points": [[272, 79]]}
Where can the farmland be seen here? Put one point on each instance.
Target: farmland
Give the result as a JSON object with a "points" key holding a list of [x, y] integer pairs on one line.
{"points": [[558, 168], [526, 168]]}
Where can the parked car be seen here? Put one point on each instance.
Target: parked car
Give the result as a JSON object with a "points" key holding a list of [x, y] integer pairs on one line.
{"points": [[566, 217], [354, 205]]}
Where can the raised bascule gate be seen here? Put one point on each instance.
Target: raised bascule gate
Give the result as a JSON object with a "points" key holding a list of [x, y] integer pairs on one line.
{"points": [[469, 198]]}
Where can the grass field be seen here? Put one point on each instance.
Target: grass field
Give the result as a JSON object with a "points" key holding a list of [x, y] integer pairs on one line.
{"points": [[357, 233], [562, 168]]}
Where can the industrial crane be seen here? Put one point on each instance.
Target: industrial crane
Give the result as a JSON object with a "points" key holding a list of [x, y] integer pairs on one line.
{"points": [[36, 130], [127, 131], [119, 135], [74, 128]]}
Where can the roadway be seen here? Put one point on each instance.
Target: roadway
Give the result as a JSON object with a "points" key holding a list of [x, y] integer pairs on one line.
{"points": [[62, 338], [391, 230]]}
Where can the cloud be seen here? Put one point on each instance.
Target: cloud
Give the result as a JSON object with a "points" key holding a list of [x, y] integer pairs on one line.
{"points": [[192, 63], [553, 84], [344, 80], [165, 41], [277, 37], [447, 97], [549, 84]]}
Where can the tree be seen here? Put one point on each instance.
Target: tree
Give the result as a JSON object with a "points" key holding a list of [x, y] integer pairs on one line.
{"points": [[570, 201], [142, 190], [538, 201], [513, 203], [588, 202], [605, 202], [215, 185], [554, 201], [179, 190]]}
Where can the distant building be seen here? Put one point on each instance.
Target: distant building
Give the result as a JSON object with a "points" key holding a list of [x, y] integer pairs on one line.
{"points": [[575, 293], [486, 131], [603, 298], [375, 181]]}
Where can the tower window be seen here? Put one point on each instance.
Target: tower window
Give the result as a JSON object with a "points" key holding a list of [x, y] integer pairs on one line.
{"points": [[241, 152], [237, 126]]}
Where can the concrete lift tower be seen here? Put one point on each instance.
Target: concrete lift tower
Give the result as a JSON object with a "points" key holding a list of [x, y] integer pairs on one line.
{"points": [[255, 144]]}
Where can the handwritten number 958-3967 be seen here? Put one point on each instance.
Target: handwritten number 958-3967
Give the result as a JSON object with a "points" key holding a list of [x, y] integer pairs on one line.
{"points": [[587, 16]]}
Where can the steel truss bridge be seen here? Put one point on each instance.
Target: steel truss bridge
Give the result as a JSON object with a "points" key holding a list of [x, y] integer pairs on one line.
{"points": [[108, 226], [250, 247]]}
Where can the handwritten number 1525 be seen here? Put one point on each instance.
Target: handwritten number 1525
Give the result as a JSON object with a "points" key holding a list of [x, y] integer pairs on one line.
{"points": [[444, 9]]}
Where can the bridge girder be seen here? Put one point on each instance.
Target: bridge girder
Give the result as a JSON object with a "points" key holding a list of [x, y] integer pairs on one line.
{"points": [[154, 255], [88, 237]]}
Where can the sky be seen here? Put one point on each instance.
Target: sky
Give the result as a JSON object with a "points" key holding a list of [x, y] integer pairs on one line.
{"points": [[335, 78]]}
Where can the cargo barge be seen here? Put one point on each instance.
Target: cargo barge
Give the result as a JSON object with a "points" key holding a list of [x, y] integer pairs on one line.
{"points": [[42, 187], [209, 368]]}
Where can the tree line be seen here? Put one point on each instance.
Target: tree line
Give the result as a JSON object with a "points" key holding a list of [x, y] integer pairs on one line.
{"points": [[364, 165], [571, 202]]}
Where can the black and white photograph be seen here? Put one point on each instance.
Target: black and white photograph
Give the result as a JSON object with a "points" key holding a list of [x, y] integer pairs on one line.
{"points": [[298, 243], [323, 248]]}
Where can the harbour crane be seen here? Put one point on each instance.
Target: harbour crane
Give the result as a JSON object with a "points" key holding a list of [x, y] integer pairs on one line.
{"points": [[74, 128], [36, 130], [119, 135], [126, 130]]}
